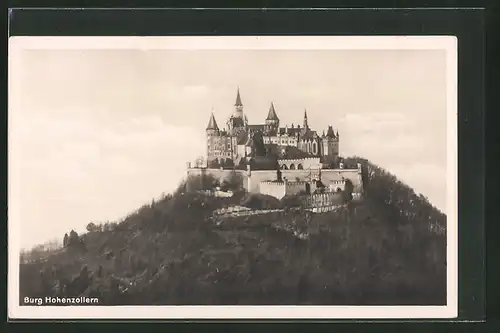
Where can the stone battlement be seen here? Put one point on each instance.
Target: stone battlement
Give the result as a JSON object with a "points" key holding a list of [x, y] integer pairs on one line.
{"points": [[281, 183], [298, 160], [260, 181]]}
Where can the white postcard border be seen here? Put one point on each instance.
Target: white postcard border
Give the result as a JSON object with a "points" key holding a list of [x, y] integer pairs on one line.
{"points": [[445, 43]]}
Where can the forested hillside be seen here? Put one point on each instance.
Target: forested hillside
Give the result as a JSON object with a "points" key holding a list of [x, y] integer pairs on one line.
{"points": [[387, 249]]}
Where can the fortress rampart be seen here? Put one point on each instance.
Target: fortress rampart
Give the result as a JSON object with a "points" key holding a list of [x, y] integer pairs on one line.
{"points": [[256, 181], [299, 164]]}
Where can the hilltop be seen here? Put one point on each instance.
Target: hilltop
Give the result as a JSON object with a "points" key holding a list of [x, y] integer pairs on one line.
{"points": [[388, 249]]}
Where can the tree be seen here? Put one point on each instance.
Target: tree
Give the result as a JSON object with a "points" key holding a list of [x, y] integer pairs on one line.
{"points": [[214, 164], [65, 240], [229, 163], [291, 201], [112, 226], [92, 227], [73, 238], [258, 147], [225, 186], [348, 189], [235, 181]]}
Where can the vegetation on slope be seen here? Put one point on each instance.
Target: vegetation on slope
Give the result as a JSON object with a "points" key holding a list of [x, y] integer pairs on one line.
{"points": [[389, 248]]}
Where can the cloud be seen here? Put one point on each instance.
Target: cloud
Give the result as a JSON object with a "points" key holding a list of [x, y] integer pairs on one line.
{"points": [[100, 170], [425, 178], [395, 141], [98, 132]]}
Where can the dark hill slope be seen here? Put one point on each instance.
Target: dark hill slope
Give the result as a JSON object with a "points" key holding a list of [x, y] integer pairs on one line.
{"points": [[390, 248]]}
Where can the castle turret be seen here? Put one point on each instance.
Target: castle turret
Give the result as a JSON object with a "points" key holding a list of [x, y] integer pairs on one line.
{"points": [[330, 146], [238, 106], [330, 133], [305, 124], [212, 128], [213, 138], [272, 120], [237, 122]]}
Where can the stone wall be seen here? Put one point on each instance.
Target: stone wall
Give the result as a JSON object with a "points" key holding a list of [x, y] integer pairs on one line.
{"points": [[257, 177], [218, 174], [305, 163], [331, 178], [275, 189], [323, 200], [292, 188], [280, 189], [334, 177]]}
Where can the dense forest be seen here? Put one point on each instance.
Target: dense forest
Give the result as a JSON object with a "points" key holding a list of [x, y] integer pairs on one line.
{"points": [[387, 249]]}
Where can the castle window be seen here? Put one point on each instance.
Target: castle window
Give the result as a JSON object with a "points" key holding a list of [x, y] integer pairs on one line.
{"points": [[292, 166], [315, 148], [284, 167], [299, 167]]}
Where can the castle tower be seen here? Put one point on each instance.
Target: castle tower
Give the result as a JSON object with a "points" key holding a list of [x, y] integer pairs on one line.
{"points": [[212, 128], [330, 146], [212, 137], [237, 122], [238, 106], [305, 124], [272, 120]]}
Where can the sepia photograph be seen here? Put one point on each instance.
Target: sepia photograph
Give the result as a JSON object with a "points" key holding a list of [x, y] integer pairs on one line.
{"points": [[232, 177]]}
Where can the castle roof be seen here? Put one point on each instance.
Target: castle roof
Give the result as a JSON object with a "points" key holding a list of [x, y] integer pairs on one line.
{"points": [[248, 141], [291, 130], [272, 113], [212, 124], [292, 152], [309, 135], [237, 122], [257, 127], [330, 133], [263, 163], [238, 99], [242, 138]]}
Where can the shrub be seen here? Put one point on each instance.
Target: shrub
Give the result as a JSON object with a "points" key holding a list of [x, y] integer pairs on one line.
{"points": [[260, 201], [196, 183], [291, 201], [228, 163], [235, 181], [214, 164], [92, 227]]}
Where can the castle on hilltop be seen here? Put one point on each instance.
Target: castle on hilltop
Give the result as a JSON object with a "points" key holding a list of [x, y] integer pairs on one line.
{"points": [[274, 160], [234, 144]]}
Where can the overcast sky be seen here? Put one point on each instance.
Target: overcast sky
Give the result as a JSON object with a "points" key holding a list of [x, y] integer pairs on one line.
{"points": [[97, 133]]}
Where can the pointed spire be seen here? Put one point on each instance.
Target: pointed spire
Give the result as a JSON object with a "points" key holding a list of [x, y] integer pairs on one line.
{"points": [[212, 124], [238, 99], [323, 134], [306, 125], [272, 113], [330, 133], [337, 135]]}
